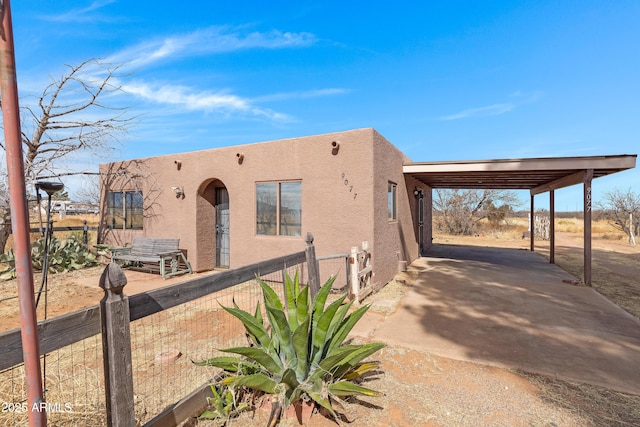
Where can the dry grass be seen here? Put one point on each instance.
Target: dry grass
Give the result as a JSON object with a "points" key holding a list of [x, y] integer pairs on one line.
{"points": [[597, 405], [69, 221]]}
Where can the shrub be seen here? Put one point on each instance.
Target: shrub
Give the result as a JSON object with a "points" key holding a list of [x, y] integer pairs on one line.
{"points": [[64, 255], [304, 356]]}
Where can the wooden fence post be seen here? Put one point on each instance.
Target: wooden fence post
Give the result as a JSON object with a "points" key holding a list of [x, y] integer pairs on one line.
{"points": [[354, 270], [116, 348], [312, 265]]}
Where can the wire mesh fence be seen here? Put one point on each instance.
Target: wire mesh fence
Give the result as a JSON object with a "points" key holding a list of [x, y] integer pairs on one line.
{"points": [[335, 265], [165, 345], [73, 383]]}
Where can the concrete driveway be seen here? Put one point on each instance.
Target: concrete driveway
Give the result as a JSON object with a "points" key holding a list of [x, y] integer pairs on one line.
{"points": [[511, 308]]}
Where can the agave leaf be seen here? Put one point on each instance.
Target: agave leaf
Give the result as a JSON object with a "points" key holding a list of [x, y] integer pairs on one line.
{"points": [[271, 299], [329, 364], [320, 331], [347, 388], [291, 382], [258, 314], [356, 357], [336, 321], [259, 382], [318, 307], [270, 363], [209, 415], [251, 325], [291, 295], [300, 342], [216, 400], [320, 299], [302, 305], [230, 364], [280, 328], [360, 370], [345, 327], [317, 397]]}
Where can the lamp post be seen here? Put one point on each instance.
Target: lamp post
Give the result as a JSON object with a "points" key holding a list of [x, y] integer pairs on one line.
{"points": [[50, 188]]}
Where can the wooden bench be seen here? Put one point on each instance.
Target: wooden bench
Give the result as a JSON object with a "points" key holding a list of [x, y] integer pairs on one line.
{"points": [[150, 253]]}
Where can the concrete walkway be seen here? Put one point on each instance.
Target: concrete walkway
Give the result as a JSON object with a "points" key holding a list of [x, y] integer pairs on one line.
{"points": [[510, 308]]}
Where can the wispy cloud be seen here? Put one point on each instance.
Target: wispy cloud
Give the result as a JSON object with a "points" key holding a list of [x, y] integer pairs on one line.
{"points": [[304, 94], [83, 14], [208, 41], [192, 100], [517, 98], [489, 110]]}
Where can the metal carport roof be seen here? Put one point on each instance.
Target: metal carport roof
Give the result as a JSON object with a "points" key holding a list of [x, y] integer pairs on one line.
{"points": [[538, 175]]}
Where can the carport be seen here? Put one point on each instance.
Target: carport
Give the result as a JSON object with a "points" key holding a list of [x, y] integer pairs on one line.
{"points": [[538, 175], [509, 308]]}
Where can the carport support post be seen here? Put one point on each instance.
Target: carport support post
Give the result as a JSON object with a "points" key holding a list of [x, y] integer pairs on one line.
{"points": [[552, 227], [532, 226], [588, 176]]}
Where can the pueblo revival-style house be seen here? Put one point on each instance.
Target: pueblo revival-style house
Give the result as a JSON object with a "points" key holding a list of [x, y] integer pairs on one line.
{"points": [[233, 206]]}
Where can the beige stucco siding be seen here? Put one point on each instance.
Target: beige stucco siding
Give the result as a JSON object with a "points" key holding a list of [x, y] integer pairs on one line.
{"points": [[336, 196]]}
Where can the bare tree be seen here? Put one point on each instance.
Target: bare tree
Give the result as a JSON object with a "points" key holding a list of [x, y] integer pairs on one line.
{"points": [[70, 117], [462, 210], [622, 211], [89, 191]]}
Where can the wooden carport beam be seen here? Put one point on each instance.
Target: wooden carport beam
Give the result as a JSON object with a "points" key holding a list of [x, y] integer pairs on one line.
{"points": [[565, 181], [531, 225], [552, 227]]}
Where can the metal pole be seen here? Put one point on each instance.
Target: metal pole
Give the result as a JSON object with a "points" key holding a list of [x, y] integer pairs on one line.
{"points": [[20, 220]]}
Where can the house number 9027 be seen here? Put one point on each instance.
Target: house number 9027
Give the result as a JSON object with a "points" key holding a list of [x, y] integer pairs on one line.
{"points": [[348, 185]]}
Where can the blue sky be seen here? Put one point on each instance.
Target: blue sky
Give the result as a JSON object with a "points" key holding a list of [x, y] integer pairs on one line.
{"points": [[442, 80]]}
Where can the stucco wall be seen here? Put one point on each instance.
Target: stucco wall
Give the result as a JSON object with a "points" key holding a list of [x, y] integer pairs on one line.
{"points": [[336, 195], [397, 240]]}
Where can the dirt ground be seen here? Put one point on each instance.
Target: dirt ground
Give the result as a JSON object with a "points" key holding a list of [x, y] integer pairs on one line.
{"points": [[428, 390]]}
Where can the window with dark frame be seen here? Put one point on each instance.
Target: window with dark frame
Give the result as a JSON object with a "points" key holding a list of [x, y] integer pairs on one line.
{"points": [[125, 210], [392, 201], [279, 208]]}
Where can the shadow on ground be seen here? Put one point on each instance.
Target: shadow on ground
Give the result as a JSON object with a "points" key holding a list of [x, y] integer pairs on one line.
{"points": [[511, 308]]}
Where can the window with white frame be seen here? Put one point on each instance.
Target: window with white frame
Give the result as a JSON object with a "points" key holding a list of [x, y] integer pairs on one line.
{"points": [[124, 210], [392, 201], [279, 208]]}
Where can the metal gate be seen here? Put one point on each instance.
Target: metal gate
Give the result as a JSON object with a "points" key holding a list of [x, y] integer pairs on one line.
{"points": [[222, 227]]}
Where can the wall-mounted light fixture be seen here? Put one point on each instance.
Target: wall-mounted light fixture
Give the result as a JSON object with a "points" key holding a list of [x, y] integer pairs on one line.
{"points": [[178, 164], [417, 192], [335, 146], [179, 192], [240, 157]]}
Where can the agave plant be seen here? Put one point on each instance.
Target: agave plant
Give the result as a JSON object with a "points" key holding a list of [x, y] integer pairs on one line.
{"points": [[224, 404], [304, 355]]}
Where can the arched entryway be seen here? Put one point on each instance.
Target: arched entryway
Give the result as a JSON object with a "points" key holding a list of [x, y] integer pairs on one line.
{"points": [[213, 220]]}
